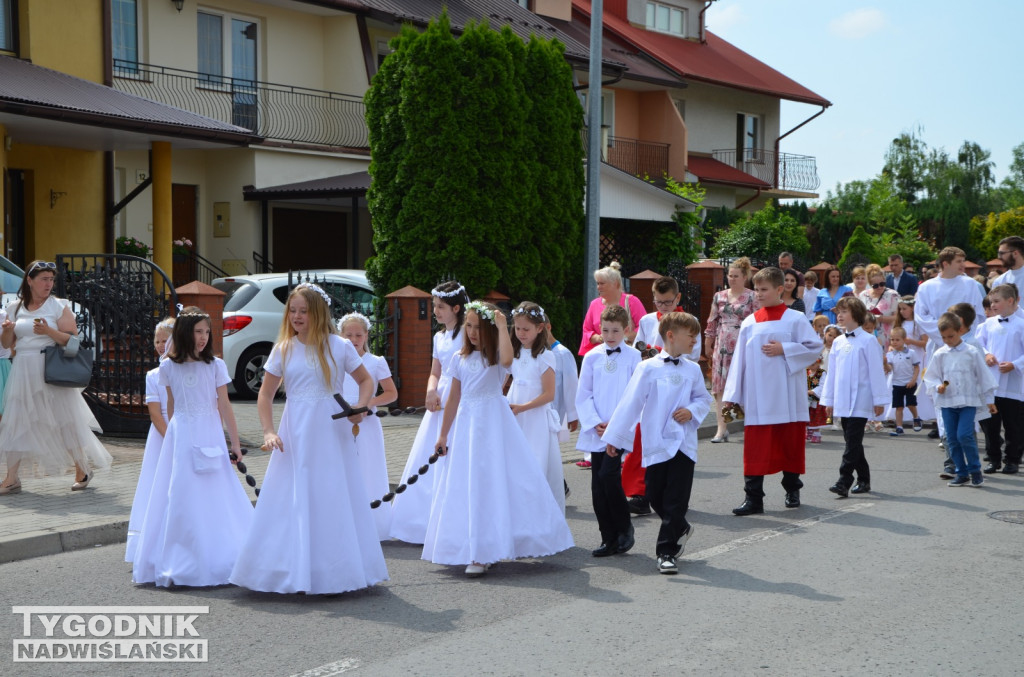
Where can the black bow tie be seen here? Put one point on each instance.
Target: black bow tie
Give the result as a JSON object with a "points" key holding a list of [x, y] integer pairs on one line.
{"points": [[614, 350], [851, 334], [1004, 319], [673, 360]]}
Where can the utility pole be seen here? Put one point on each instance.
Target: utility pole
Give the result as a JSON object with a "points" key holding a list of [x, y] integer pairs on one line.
{"points": [[592, 242]]}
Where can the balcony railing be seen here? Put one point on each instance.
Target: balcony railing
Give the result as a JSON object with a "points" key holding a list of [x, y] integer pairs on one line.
{"points": [[646, 159], [277, 112], [784, 171]]}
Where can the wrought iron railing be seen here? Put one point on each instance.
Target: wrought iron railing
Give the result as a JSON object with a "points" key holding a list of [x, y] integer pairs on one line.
{"points": [[278, 112], [646, 159], [118, 300], [203, 269], [262, 263], [783, 171]]}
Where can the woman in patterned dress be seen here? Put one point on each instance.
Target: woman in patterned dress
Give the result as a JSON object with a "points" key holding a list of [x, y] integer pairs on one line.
{"points": [[880, 301], [728, 308]]}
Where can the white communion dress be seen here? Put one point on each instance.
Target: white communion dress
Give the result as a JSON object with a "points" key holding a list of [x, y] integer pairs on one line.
{"points": [[313, 531], [492, 501], [411, 509], [150, 459], [198, 514]]}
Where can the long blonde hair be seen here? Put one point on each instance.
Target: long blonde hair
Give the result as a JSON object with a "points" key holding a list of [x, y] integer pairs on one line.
{"points": [[321, 326]]}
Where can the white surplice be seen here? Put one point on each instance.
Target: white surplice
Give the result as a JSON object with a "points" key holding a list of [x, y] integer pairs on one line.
{"points": [[603, 379]]}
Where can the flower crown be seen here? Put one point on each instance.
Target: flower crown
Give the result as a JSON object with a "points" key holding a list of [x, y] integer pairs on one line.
{"points": [[191, 313], [447, 294], [537, 313], [317, 289], [354, 316], [481, 310]]}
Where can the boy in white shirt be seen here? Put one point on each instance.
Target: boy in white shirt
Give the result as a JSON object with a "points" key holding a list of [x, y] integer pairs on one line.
{"points": [[854, 389], [1002, 340], [905, 367], [668, 397], [567, 379], [960, 383], [604, 375]]}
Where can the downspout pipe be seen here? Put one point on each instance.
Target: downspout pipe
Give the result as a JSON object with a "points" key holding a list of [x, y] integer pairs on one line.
{"points": [[775, 183], [700, 21]]}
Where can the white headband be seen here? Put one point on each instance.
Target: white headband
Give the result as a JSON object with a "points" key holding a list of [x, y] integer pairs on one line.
{"points": [[447, 294], [190, 314], [354, 316], [537, 312], [317, 289]]}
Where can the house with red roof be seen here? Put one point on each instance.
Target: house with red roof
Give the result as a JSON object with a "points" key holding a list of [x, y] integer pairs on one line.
{"points": [[690, 105]]}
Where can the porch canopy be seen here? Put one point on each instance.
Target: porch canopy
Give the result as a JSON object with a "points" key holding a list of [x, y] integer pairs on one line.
{"points": [[44, 107]]}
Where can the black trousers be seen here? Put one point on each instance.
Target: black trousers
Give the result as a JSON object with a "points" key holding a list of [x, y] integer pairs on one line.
{"points": [[753, 485], [993, 429], [668, 488], [1011, 412], [854, 462], [610, 505]]}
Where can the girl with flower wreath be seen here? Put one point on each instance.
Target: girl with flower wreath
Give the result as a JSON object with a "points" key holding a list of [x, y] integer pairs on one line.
{"points": [[410, 510], [313, 531], [533, 391], [368, 434], [492, 501]]}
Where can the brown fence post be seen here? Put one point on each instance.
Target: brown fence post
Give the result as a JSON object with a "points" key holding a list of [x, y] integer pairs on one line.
{"points": [[641, 286], [210, 300], [412, 310], [709, 275]]}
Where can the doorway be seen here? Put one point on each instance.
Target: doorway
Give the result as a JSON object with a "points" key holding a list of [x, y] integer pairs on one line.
{"points": [[184, 214], [14, 216]]}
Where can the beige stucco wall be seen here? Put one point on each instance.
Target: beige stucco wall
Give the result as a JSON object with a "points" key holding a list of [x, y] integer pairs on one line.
{"points": [[711, 115]]}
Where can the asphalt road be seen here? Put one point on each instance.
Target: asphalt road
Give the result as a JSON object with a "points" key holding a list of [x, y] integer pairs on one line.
{"points": [[913, 579]]}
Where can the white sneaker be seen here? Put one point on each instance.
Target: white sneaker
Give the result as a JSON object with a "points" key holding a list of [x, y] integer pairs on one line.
{"points": [[476, 570]]}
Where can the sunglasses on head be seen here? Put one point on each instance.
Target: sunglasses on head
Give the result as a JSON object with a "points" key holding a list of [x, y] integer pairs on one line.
{"points": [[42, 265]]}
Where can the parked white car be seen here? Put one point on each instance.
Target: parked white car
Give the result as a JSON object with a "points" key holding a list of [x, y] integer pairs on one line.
{"points": [[254, 306]]}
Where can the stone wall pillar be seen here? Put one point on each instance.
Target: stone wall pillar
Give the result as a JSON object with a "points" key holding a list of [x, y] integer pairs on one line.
{"points": [[641, 286], [413, 318], [211, 301], [710, 276]]}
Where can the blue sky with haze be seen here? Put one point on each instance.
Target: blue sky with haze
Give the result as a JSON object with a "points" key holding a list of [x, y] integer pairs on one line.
{"points": [[946, 67]]}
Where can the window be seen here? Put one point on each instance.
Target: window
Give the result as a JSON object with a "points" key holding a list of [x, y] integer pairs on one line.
{"points": [[525, 4], [227, 58], [7, 25], [383, 49], [748, 137], [666, 19], [680, 107], [607, 109], [124, 33]]}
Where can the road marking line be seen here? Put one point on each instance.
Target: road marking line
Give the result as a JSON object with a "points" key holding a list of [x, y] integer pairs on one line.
{"points": [[760, 536], [335, 668]]}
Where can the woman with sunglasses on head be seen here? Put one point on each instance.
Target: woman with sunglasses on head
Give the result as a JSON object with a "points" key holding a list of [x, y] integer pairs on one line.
{"points": [[880, 301], [48, 427]]}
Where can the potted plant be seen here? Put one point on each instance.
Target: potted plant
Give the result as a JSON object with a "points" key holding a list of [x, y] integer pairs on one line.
{"points": [[132, 247], [180, 249]]}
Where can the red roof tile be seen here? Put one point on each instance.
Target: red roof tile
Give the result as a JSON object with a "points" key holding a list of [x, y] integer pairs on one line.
{"points": [[715, 61], [710, 170]]}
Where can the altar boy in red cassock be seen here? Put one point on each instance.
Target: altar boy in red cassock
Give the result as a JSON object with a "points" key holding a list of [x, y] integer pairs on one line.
{"points": [[768, 379]]}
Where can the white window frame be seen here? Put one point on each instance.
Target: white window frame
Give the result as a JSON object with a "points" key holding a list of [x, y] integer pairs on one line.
{"points": [[651, 18], [757, 150], [227, 65], [607, 109]]}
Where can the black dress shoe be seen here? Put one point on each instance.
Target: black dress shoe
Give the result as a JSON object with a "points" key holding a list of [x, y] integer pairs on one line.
{"points": [[991, 468], [605, 550], [861, 488], [626, 541], [1009, 469], [933, 434], [748, 507], [639, 505], [793, 499], [841, 489]]}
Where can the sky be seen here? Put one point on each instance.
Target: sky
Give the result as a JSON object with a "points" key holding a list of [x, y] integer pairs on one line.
{"points": [[940, 67]]}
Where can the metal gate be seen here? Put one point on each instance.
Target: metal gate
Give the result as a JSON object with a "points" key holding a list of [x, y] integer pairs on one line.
{"points": [[118, 300]]}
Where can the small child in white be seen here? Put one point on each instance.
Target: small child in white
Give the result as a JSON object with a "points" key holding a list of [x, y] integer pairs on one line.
{"points": [[668, 397], [567, 380], [905, 368], [960, 383], [855, 389]]}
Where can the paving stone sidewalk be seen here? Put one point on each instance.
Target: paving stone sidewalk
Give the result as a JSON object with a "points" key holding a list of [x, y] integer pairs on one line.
{"points": [[48, 518]]}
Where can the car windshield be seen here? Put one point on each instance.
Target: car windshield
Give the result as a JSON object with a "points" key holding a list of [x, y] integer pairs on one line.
{"points": [[236, 293]]}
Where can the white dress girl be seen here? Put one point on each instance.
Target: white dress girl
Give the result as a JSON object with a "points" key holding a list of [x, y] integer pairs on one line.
{"points": [[540, 425], [411, 509], [198, 514], [492, 501], [150, 458], [48, 425], [313, 531], [369, 443]]}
